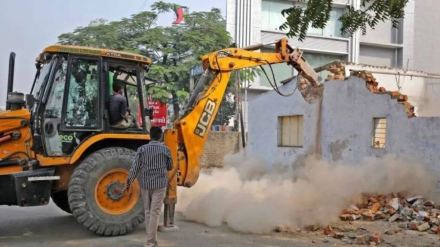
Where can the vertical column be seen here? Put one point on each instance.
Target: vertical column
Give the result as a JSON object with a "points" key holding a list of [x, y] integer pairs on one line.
{"points": [[353, 55], [408, 36], [243, 37], [243, 22]]}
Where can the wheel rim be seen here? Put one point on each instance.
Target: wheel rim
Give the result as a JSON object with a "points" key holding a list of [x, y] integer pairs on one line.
{"points": [[108, 196]]}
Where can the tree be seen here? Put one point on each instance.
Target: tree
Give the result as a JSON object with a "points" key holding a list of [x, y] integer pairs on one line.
{"points": [[316, 14], [174, 50]]}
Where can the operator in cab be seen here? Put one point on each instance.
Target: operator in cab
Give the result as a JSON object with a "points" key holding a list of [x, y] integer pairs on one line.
{"points": [[120, 118]]}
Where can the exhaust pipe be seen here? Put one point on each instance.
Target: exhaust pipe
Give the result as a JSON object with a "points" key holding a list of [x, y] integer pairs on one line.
{"points": [[10, 77]]}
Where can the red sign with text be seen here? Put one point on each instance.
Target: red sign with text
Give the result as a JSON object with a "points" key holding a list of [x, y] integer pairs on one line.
{"points": [[159, 113]]}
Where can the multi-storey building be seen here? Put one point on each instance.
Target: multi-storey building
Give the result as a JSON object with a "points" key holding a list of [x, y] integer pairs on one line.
{"points": [[409, 46]]}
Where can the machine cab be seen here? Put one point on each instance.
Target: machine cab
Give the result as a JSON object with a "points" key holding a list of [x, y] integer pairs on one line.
{"points": [[72, 91]]}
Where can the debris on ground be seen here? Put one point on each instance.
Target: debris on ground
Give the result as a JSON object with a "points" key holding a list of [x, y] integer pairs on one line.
{"points": [[412, 213], [418, 213]]}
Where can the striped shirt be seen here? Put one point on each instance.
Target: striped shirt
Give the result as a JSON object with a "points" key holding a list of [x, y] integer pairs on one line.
{"points": [[150, 166]]}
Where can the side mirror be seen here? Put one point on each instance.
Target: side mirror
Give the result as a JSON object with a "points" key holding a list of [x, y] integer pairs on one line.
{"points": [[30, 101], [149, 112]]}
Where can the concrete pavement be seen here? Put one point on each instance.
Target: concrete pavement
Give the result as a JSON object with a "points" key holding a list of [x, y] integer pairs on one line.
{"points": [[49, 226]]}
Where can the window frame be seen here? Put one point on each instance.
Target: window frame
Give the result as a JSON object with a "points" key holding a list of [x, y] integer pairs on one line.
{"points": [[99, 125], [108, 62], [45, 99], [373, 136], [280, 131], [321, 33]]}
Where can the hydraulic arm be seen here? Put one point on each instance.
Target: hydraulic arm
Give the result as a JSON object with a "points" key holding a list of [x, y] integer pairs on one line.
{"points": [[187, 139]]}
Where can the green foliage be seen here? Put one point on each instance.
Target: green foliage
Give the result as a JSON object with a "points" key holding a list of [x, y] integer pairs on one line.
{"points": [[161, 6], [174, 50], [316, 14], [372, 12], [227, 109], [298, 20]]}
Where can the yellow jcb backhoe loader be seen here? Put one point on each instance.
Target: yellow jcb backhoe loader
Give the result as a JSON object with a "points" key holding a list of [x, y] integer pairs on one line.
{"points": [[59, 144]]}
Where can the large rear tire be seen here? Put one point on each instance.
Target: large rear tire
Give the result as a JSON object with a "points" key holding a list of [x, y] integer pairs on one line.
{"points": [[94, 195], [60, 199]]}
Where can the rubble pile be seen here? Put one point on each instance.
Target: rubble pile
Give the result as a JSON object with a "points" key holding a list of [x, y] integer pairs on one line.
{"points": [[414, 213], [407, 213]]}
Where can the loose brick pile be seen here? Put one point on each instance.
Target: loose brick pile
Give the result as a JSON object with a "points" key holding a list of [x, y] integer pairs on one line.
{"points": [[412, 212], [402, 212], [338, 73]]}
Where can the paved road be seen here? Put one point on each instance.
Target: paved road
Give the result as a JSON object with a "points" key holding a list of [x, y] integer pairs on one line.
{"points": [[49, 226]]}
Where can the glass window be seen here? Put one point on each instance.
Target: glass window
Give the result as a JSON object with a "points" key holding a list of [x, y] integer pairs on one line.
{"points": [[82, 109], [273, 19], [316, 60], [41, 79], [134, 104], [52, 113], [55, 100], [127, 77], [281, 71], [284, 71], [333, 27]]}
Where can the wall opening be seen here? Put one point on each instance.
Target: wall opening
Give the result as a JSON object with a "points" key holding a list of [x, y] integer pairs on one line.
{"points": [[291, 131], [379, 132]]}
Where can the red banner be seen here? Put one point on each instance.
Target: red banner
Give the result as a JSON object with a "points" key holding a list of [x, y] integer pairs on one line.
{"points": [[159, 113]]}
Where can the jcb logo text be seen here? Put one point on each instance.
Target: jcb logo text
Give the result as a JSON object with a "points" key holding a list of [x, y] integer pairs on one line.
{"points": [[205, 118]]}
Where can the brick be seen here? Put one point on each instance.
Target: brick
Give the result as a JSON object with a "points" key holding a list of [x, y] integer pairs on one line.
{"points": [[368, 216], [376, 207], [346, 217], [412, 226], [217, 146], [394, 94], [423, 227]]}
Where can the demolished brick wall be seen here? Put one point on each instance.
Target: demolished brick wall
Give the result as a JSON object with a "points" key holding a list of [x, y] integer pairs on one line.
{"points": [[337, 71]]}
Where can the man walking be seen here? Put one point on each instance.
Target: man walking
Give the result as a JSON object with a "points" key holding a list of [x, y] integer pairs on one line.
{"points": [[151, 163]]}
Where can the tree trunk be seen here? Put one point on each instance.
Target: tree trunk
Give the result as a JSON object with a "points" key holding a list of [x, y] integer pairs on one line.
{"points": [[176, 107]]}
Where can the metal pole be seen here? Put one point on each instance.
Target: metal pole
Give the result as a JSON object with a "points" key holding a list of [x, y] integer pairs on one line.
{"points": [[10, 76]]}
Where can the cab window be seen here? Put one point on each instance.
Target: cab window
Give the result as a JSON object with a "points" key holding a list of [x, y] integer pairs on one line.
{"points": [[52, 112], [82, 107], [126, 76]]}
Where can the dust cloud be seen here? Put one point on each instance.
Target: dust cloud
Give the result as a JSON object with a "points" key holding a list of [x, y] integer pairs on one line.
{"points": [[249, 197]]}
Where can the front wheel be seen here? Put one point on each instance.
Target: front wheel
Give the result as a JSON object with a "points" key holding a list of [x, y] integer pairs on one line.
{"points": [[94, 193]]}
